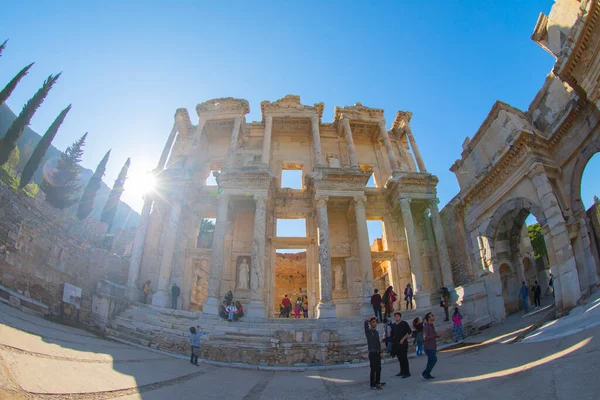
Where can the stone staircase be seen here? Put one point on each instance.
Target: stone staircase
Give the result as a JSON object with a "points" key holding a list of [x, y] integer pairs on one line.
{"points": [[257, 341]]}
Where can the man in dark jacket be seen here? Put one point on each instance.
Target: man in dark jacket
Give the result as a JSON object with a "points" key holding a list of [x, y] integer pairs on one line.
{"points": [[175, 292], [375, 355], [400, 333], [376, 303], [537, 293], [430, 345]]}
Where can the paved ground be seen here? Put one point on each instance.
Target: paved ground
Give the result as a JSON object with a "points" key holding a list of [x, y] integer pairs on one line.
{"points": [[40, 359]]}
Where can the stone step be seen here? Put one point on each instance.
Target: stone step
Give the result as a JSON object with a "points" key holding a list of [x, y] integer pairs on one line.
{"points": [[130, 338]]}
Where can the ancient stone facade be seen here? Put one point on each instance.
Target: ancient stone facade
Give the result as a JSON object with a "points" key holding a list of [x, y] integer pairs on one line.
{"points": [[520, 163], [248, 160]]}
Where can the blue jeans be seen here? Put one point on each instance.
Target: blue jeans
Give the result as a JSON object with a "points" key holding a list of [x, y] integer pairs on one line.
{"points": [[419, 349], [377, 311], [526, 304], [174, 300], [457, 329], [431, 360]]}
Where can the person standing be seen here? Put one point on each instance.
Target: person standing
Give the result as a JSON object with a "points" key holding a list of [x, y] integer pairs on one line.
{"points": [[389, 298], [375, 355], [287, 306], [418, 332], [400, 333], [305, 306], [195, 335], [524, 294], [376, 303], [430, 345], [537, 293], [387, 335], [550, 285], [408, 296], [458, 325], [175, 292], [297, 307], [146, 290], [445, 303]]}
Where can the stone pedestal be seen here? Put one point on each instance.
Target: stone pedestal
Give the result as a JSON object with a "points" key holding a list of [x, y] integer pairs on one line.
{"points": [[326, 310], [161, 299], [421, 300]]}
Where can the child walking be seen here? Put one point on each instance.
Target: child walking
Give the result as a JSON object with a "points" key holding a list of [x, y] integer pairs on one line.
{"points": [[195, 335], [458, 326], [418, 335]]}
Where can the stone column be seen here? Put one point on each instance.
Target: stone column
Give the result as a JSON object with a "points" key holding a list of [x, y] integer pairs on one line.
{"points": [[415, 254], [167, 149], [316, 141], [235, 134], [442, 248], [325, 308], [256, 307], [364, 254], [162, 296], [211, 306], [565, 272], [350, 143], [266, 151], [415, 149], [138, 244], [388, 145]]}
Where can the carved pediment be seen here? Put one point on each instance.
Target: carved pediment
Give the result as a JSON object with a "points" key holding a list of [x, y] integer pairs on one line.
{"points": [[358, 112], [413, 183], [223, 105], [290, 104]]}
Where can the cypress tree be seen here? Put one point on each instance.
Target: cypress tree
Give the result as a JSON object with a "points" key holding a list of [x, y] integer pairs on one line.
{"points": [[9, 141], [2, 47], [40, 150], [61, 185], [86, 203], [8, 89], [110, 208]]}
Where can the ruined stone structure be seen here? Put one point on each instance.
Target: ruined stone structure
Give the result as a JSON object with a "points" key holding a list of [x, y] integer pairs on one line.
{"points": [[248, 159], [532, 162]]}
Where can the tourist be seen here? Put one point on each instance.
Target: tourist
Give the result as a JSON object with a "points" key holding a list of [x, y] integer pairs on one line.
{"points": [[287, 306], [240, 311], [297, 307], [445, 302], [429, 344], [458, 325], [175, 292], [231, 310], [400, 333], [223, 311], [305, 306], [418, 334], [389, 297], [387, 334], [376, 303], [408, 295], [375, 355], [550, 285], [195, 334], [537, 293], [524, 294], [229, 297], [146, 290]]}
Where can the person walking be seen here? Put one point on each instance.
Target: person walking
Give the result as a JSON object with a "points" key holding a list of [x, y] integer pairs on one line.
{"points": [[376, 303], [146, 290], [175, 292], [537, 294], [418, 333], [445, 303], [389, 298], [550, 285], [297, 307], [458, 325], [195, 335], [430, 345], [305, 306], [408, 296], [375, 355], [524, 294], [400, 333]]}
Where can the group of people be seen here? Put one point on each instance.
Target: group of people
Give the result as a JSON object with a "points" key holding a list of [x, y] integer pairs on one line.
{"points": [[175, 293], [300, 306], [231, 310], [534, 294]]}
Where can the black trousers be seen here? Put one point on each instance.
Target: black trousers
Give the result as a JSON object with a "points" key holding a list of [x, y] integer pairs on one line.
{"points": [[536, 299], [375, 364], [401, 351], [409, 302], [377, 311], [194, 356]]}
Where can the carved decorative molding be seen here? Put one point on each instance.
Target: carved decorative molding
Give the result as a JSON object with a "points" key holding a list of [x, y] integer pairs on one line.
{"points": [[223, 105], [290, 104], [402, 120], [358, 112]]}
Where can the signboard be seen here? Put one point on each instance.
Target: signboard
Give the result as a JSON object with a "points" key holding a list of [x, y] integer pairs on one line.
{"points": [[72, 295]]}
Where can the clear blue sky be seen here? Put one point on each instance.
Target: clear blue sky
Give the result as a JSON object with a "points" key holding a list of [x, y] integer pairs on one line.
{"points": [[128, 65]]}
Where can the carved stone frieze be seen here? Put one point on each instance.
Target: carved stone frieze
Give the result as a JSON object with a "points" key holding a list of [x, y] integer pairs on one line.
{"points": [[337, 178], [223, 105], [290, 104], [358, 112]]}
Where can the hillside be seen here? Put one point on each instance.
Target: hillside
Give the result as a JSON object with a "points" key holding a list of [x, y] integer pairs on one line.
{"points": [[125, 217]]}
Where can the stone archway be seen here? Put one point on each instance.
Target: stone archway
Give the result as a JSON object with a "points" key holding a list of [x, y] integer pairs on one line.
{"points": [[582, 160], [523, 205]]}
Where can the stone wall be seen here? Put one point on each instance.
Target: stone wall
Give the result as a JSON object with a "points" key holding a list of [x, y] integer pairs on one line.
{"points": [[290, 277], [41, 248]]}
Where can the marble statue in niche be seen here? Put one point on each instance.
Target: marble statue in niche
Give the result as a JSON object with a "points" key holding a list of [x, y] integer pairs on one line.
{"points": [[339, 277], [243, 275]]}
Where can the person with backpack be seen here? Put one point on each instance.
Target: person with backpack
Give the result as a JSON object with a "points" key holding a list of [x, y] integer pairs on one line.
{"points": [[408, 296], [458, 325]]}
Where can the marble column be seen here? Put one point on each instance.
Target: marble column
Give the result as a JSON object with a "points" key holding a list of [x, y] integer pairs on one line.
{"points": [[388, 145], [364, 255], [162, 296], [317, 141], [414, 252], [350, 143], [167, 149], [442, 248], [415, 149], [256, 307], [325, 308], [266, 151], [138, 244], [211, 306], [566, 283], [235, 134]]}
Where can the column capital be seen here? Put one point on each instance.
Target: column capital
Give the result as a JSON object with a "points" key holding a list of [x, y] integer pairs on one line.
{"points": [[321, 200], [259, 197], [359, 200], [382, 125], [405, 201], [268, 118], [433, 203], [346, 121], [314, 119], [535, 170]]}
